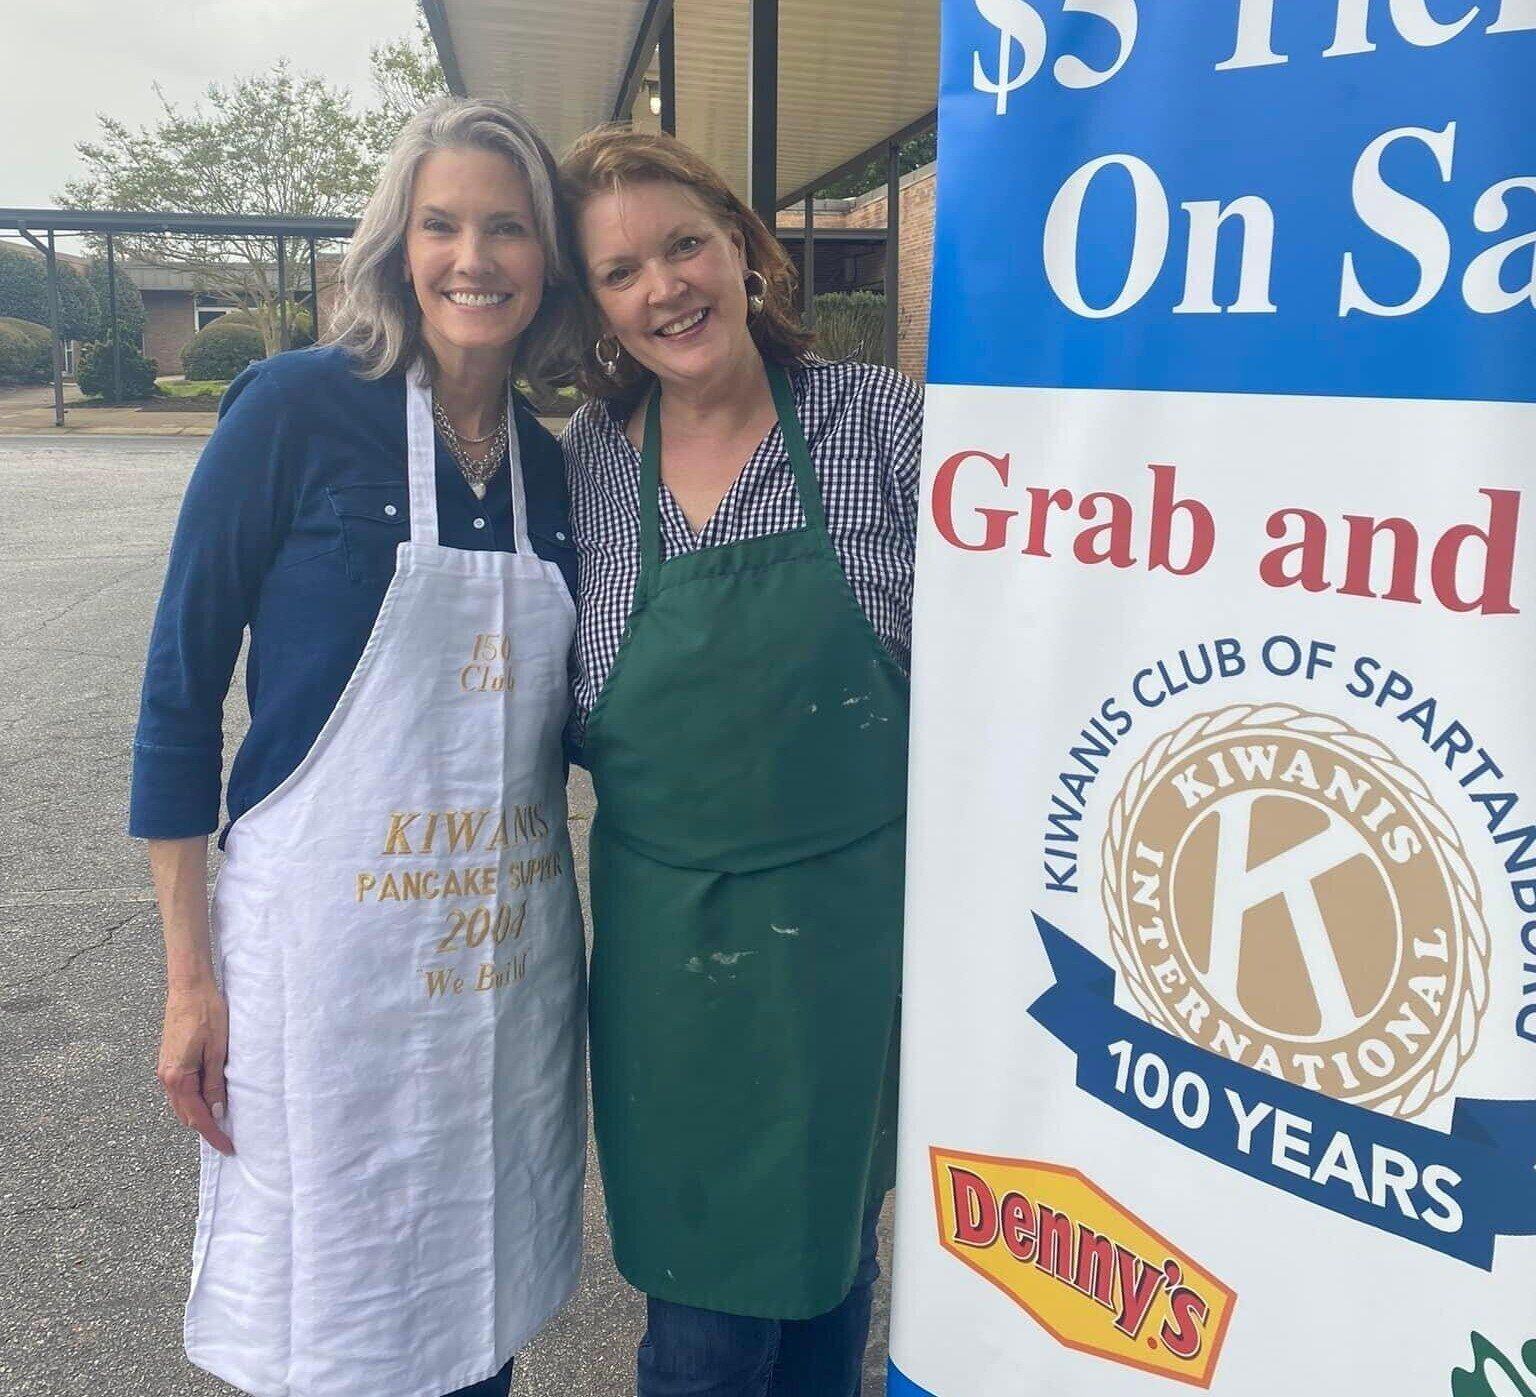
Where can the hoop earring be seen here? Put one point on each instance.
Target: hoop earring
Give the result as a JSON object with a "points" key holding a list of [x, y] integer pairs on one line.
{"points": [[609, 361], [755, 298]]}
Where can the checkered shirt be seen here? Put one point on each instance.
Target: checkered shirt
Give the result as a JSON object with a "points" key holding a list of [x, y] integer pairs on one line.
{"points": [[863, 425]]}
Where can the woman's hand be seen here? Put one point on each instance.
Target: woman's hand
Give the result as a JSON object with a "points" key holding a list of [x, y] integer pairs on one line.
{"points": [[195, 1040], [193, 1046]]}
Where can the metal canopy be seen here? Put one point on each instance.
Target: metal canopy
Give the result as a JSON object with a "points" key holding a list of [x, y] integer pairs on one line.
{"points": [[112, 223], [233, 226], [851, 74], [564, 65]]}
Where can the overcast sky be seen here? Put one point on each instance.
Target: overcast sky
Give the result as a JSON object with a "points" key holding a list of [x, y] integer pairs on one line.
{"points": [[63, 61]]}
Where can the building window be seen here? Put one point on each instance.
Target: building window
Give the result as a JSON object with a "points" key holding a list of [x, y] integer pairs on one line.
{"points": [[210, 308]]}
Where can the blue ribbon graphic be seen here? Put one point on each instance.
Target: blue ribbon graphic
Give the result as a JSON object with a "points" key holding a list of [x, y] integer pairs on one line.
{"points": [[1485, 1164], [898, 1384]]}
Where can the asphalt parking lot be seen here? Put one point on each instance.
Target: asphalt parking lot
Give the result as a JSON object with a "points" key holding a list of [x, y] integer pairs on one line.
{"points": [[97, 1184]]}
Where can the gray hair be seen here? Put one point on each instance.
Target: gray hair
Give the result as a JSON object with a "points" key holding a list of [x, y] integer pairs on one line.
{"points": [[379, 320]]}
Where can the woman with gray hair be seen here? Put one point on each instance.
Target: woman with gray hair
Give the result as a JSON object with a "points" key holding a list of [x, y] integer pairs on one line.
{"points": [[376, 1027]]}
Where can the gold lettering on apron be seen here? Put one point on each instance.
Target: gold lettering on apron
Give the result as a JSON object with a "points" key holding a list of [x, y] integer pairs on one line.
{"points": [[399, 822], [442, 982], [480, 924], [497, 975], [492, 646], [487, 671], [464, 828], [484, 679], [524, 873], [517, 824]]}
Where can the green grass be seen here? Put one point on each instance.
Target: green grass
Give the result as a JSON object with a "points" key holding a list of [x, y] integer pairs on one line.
{"points": [[195, 388]]}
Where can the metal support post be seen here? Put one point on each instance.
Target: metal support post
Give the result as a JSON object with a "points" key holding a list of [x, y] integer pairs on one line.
{"points": [[282, 294], [117, 359], [763, 110], [54, 317], [808, 262], [314, 295], [55, 320], [892, 251], [666, 52]]}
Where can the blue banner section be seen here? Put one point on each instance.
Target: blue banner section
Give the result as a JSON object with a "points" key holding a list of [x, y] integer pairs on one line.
{"points": [[1455, 1193], [1341, 201], [898, 1384]]}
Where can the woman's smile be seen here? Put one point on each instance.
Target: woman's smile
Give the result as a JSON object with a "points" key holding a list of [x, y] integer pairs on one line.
{"points": [[684, 326], [478, 300]]}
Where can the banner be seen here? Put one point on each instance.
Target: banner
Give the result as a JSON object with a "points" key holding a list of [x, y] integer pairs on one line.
{"points": [[1219, 1064]]}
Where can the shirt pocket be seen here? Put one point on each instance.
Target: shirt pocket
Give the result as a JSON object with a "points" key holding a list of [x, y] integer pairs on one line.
{"points": [[554, 545], [373, 522]]}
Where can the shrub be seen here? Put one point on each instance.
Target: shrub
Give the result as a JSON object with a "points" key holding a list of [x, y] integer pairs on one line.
{"points": [[131, 318], [93, 372], [24, 294], [300, 324], [221, 350], [26, 352], [23, 286], [851, 325]]}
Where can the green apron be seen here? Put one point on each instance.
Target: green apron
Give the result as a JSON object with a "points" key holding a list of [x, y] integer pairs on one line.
{"points": [[749, 752]]}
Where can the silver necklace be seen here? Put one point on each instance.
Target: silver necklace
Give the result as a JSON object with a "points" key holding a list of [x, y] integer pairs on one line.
{"points": [[477, 468]]}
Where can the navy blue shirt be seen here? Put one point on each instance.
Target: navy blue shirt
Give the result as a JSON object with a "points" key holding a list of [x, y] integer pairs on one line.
{"points": [[288, 530]]}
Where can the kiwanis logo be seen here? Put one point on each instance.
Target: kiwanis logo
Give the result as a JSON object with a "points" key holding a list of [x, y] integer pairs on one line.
{"points": [[1285, 893]]}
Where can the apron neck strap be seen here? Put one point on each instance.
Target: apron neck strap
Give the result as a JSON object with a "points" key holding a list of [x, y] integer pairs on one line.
{"points": [[799, 452], [650, 492], [515, 470], [421, 454], [421, 462], [650, 471]]}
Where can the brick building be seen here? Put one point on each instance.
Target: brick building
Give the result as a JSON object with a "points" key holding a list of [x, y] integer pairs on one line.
{"points": [[176, 306], [174, 311], [858, 270]]}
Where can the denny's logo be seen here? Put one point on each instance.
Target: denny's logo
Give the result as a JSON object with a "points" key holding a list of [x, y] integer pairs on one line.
{"points": [[1091, 1272]]}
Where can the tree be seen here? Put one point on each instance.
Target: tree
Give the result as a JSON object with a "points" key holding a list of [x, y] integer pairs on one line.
{"points": [[406, 76], [131, 318], [24, 294], [279, 143], [920, 150]]}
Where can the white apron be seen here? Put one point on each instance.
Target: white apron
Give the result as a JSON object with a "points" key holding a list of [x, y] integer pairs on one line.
{"points": [[399, 939]]}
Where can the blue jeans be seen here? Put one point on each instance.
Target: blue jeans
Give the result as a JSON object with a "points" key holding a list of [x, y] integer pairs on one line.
{"points": [[689, 1352], [492, 1387]]}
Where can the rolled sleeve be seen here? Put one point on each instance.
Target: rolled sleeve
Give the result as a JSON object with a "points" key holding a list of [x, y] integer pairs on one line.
{"points": [[237, 505]]}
